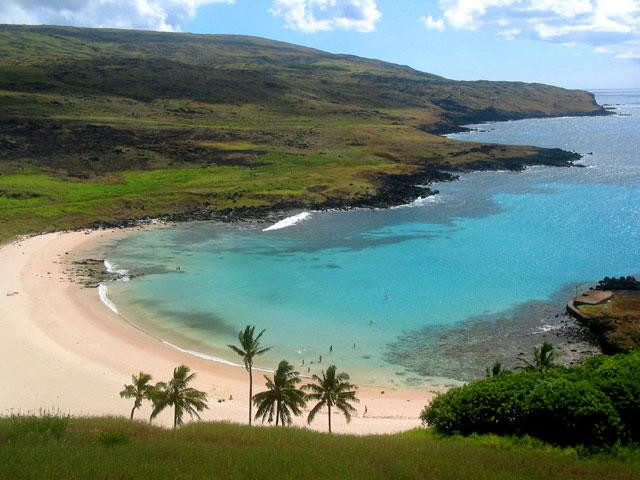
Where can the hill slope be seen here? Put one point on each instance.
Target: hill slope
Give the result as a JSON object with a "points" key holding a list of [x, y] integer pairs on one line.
{"points": [[105, 125]]}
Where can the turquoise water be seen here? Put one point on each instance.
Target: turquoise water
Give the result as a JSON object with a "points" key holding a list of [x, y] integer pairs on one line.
{"points": [[439, 289]]}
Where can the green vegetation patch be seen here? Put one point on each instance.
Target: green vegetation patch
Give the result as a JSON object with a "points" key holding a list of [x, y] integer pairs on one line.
{"points": [[595, 404]]}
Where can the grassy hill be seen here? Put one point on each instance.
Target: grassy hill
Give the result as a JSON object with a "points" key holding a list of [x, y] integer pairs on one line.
{"points": [[107, 125], [116, 448]]}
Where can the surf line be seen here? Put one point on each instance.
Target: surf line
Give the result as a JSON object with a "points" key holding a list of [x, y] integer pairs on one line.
{"points": [[288, 222], [103, 290], [211, 358], [104, 298]]}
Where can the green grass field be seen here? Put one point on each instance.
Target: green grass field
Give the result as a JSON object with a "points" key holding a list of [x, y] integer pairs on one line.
{"points": [[110, 448]]}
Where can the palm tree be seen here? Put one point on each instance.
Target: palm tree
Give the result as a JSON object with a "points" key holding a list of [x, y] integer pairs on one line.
{"points": [[178, 395], [332, 390], [249, 348], [542, 359], [282, 396], [138, 390]]}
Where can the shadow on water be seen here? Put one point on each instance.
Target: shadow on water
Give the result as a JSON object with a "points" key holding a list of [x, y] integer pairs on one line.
{"points": [[200, 324]]}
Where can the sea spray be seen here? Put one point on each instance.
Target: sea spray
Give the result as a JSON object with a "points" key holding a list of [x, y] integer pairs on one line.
{"points": [[421, 202], [121, 273], [288, 222]]}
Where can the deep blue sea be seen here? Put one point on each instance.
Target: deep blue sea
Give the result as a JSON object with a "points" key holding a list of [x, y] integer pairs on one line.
{"points": [[413, 295]]}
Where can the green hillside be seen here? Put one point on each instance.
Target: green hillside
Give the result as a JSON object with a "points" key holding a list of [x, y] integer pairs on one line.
{"points": [[108, 448], [107, 125]]}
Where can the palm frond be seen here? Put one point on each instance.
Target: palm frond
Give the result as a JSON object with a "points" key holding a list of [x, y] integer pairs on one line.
{"points": [[312, 413], [263, 350]]}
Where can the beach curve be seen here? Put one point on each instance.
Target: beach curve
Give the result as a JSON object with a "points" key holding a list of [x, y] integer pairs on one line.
{"points": [[68, 352]]}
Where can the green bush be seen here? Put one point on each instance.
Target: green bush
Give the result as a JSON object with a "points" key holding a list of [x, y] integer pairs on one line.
{"points": [[618, 377], [567, 412], [494, 405], [597, 403]]}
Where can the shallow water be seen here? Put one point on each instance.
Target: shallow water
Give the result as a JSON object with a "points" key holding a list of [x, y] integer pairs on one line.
{"points": [[406, 295]]}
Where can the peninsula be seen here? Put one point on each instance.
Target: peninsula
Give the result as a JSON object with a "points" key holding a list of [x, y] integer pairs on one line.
{"points": [[612, 312]]}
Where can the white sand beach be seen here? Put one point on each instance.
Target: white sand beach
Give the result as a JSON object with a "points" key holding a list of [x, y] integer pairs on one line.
{"points": [[64, 350]]}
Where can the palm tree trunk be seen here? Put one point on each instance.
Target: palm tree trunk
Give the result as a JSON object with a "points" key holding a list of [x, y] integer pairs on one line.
{"points": [[250, 393], [329, 406], [175, 416], [132, 410], [277, 412]]}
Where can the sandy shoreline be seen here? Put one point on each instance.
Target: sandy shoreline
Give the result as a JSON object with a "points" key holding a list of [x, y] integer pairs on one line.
{"points": [[64, 350]]}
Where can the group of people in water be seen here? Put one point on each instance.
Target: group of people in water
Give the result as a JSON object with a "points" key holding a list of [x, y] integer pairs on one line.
{"points": [[320, 357]]}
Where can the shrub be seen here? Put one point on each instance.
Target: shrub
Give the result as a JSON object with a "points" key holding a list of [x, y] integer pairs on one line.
{"points": [[597, 403], [618, 377], [494, 405], [622, 283], [566, 412]]}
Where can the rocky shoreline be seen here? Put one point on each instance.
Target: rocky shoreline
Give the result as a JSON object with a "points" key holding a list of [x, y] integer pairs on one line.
{"points": [[613, 317], [465, 350], [453, 122], [393, 190]]}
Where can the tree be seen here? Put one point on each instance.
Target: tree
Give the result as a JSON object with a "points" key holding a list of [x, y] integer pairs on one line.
{"points": [[249, 348], [282, 397], [543, 358], [332, 390], [139, 390], [178, 395]]}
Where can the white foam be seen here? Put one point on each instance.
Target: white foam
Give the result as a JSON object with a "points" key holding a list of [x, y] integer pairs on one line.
{"points": [[104, 298], [547, 328], [211, 358], [421, 202], [288, 222], [123, 275]]}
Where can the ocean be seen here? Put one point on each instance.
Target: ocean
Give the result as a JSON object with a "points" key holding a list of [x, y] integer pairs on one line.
{"points": [[420, 295]]}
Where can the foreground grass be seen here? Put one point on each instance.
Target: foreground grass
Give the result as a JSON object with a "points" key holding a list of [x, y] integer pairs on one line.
{"points": [[111, 448]]}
